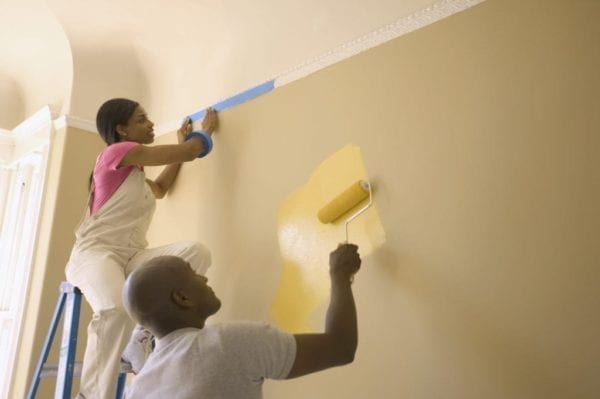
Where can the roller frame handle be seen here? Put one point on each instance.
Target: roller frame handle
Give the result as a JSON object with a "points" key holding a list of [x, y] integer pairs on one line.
{"points": [[360, 211]]}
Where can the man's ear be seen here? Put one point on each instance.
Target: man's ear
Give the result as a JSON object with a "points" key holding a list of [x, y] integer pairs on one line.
{"points": [[181, 299]]}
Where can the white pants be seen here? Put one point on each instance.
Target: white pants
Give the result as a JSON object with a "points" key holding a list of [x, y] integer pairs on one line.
{"points": [[100, 275]]}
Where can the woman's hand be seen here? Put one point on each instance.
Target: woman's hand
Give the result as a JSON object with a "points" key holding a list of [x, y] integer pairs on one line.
{"points": [[209, 125], [184, 130], [210, 121]]}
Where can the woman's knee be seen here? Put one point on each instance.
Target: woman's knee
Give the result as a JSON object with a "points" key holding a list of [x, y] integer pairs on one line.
{"points": [[104, 298], [198, 255], [113, 322]]}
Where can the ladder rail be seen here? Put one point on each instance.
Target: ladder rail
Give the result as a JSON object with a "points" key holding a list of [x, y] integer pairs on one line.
{"points": [[47, 345], [66, 363], [70, 296]]}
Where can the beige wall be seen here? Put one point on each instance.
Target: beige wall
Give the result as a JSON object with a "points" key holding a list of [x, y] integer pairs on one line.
{"points": [[480, 135]]}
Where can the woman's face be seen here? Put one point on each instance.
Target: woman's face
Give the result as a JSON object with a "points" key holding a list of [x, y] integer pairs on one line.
{"points": [[138, 128]]}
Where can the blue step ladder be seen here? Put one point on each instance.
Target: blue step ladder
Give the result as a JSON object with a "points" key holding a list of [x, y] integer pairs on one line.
{"points": [[71, 297]]}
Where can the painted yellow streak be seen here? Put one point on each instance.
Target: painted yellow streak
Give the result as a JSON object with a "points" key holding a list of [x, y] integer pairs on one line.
{"points": [[305, 243]]}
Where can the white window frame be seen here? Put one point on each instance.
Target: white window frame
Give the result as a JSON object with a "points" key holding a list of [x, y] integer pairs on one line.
{"points": [[24, 157]]}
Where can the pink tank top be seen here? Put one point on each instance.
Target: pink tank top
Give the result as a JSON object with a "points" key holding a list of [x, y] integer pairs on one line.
{"points": [[108, 176]]}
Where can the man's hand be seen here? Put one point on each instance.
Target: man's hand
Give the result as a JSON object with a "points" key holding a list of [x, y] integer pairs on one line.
{"points": [[344, 262]]}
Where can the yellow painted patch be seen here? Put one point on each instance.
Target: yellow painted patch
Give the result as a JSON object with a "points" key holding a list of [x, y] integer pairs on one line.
{"points": [[305, 243]]}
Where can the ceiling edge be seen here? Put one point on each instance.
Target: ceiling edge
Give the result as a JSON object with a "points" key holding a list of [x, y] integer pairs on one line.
{"points": [[427, 16], [435, 12]]}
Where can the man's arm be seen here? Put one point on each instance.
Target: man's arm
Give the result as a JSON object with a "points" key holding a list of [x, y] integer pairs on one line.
{"points": [[337, 345]]}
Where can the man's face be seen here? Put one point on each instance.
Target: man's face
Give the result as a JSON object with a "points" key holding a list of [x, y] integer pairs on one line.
{"points": [[201, 293]]}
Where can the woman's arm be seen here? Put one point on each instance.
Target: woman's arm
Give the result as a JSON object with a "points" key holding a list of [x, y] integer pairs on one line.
{"points": [[164, 181], [161, 185]]}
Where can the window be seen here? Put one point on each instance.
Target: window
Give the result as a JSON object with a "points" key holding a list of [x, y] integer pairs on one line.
{"points": [[22, 174]]}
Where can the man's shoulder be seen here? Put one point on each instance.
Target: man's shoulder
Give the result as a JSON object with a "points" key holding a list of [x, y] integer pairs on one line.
{"points": [[241, 324], [243, 330], [249, 334], [238, 327]]}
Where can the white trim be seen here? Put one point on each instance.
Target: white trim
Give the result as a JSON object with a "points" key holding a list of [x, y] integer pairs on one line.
{"points": [[33, 124], [73, 121], [7, 147], [435, 12], [33, 155], [60, 122], [90, 127], [26, 137]]}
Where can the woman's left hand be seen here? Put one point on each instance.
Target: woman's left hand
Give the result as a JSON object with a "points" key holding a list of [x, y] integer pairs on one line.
{"points": [[184, 130], [210, 121]]}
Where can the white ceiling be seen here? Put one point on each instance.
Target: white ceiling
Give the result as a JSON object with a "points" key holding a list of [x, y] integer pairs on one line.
{"points": [[174, 56]]}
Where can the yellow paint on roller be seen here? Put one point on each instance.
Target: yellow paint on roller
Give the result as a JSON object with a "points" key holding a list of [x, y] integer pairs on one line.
{"points": [[351, 197], [305, 242]]}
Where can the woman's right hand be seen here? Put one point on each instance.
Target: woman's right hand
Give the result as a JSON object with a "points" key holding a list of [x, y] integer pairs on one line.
{"points": [[210, 121]]}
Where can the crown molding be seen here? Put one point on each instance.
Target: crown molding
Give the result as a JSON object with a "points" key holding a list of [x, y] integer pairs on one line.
{"points": [[427, 16], [90, 127], [73, 121]]}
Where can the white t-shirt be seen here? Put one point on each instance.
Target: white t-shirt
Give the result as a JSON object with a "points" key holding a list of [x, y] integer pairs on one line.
{"points": [[224, 361]]}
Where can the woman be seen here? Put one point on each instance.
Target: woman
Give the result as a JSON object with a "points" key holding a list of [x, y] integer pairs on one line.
{"points": [[111, 240]]}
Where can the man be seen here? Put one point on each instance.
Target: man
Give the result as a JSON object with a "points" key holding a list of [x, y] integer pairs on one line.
{"points": [[229, 360]]}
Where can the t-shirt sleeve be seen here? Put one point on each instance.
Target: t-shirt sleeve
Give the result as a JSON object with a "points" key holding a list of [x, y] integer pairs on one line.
{"points": [[114, 153], [263, 349], [107, 176]]}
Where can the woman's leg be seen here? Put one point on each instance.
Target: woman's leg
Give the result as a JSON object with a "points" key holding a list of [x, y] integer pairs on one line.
{"points": [[100, 277], [191, 251]]}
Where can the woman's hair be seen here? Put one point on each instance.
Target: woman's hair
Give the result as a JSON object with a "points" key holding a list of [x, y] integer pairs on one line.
{"points": [[112, 113], [116, 111]]}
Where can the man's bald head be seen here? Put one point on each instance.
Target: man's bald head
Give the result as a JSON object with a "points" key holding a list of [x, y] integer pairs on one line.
{"points": [[166, 294]]}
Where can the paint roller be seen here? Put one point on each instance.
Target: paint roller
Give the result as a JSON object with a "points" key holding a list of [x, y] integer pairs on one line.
{"points": [[344, 202]]}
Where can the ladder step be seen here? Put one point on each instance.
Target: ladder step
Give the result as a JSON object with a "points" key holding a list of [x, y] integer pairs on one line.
{"points": [[51, 370]]}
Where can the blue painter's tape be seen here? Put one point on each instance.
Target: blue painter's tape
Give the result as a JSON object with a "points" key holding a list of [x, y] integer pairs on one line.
{"points": [[237, 99], [206, 140]]}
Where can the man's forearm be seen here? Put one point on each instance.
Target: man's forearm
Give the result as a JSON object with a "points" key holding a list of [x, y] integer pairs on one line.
{"points": [[341, 317], [337, 345]]}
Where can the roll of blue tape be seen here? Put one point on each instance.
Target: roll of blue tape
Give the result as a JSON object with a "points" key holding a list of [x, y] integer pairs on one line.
{"points": [[206, 140]]}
